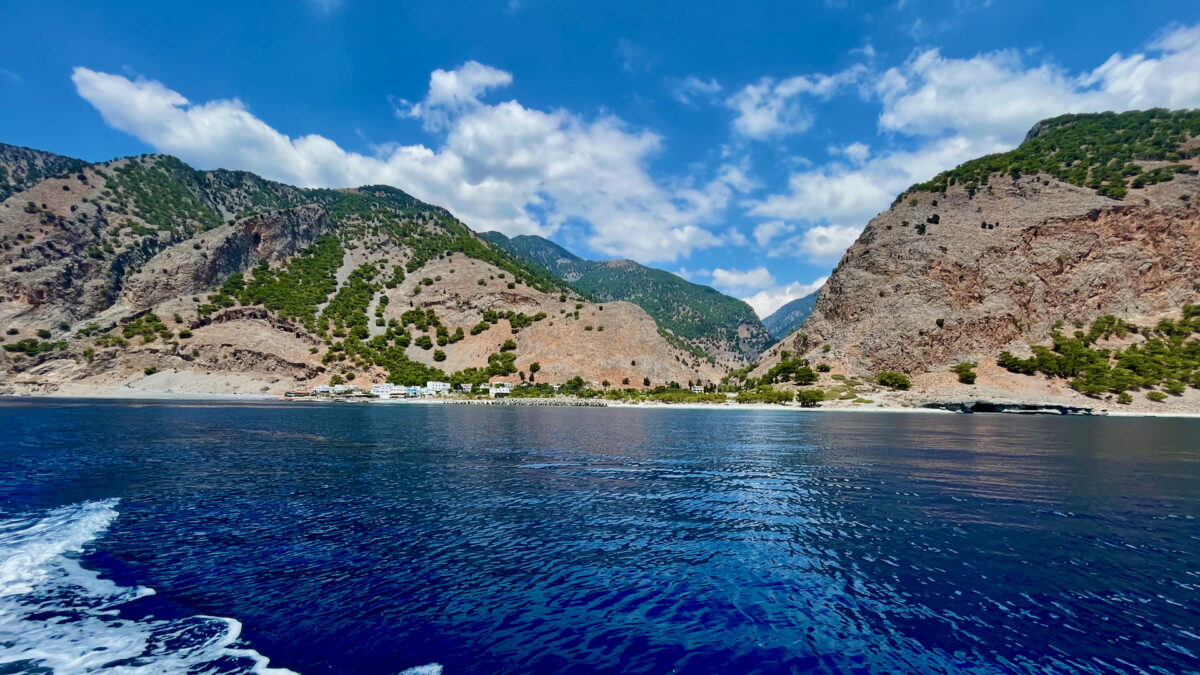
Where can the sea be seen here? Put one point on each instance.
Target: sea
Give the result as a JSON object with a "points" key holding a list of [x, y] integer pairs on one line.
{"points": [[236, 537]]}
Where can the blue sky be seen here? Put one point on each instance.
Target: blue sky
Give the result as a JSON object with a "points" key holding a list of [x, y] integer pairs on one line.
{"points": [[741, 144]]}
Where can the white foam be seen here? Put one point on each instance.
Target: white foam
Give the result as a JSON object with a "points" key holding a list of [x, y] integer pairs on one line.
{"points": [[428, 669], [56, 614]]}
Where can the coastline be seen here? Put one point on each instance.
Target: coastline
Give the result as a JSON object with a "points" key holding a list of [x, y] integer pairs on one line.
{"points": [[141, 395]]}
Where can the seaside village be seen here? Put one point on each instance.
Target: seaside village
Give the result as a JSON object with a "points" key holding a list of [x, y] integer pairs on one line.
{"points": [[387, 391]]}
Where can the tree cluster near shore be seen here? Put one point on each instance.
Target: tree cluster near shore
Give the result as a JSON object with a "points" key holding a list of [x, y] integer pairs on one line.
{"points": [[1166, 362]]}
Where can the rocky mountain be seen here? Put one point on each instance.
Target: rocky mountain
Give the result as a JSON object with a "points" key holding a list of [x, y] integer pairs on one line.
{"points": [[706, 319], [143, 273], [1092, 215], [789, 318], [23, 167]]}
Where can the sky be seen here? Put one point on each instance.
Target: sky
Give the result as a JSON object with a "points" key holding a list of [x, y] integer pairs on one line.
{"points": [[740, 144]]}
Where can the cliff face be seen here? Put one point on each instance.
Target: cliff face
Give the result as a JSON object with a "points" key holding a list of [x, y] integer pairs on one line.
{"points": [[144, 274], [961, 275]]}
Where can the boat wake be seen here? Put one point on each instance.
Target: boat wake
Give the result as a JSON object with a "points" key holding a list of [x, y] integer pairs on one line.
{"points": [[56, 615]]}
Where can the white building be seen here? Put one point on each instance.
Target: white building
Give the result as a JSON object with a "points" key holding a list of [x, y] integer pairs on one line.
{"points": [[465, 387], [345, 388], [697, 389], [384, 391], [412, 392], [323, 389], [437, 388], [499, 389]]}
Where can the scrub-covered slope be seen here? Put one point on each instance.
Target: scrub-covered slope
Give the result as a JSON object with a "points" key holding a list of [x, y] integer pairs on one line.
{"points": [[719, 325], [146, 273], [1092, 215]]}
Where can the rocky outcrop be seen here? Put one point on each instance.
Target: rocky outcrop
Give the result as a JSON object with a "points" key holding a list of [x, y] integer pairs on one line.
{"points": [[962, 275], [205, 261]]}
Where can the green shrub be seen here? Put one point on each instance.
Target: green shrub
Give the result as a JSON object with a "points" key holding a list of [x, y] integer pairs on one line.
{"points": [[810, 398], [965, 372], [893, 380], [1156, 396]]}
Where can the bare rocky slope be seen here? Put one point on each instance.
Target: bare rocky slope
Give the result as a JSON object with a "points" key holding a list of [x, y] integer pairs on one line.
{"points": [[142, 274], [961, 270]]}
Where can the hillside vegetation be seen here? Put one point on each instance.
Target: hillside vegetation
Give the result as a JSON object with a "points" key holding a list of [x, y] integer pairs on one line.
{"points": [[1166, 360], [708, 320], [22, 167], [1098, 151], [789, 318]]}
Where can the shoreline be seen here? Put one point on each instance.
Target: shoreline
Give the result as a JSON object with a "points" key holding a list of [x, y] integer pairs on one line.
{"points": [[142, 395]]}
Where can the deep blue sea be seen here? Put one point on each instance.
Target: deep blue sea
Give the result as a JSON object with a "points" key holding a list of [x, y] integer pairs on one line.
{"points": [[152, 537]]}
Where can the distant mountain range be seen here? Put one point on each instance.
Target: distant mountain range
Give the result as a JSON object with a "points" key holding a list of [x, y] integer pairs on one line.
{"points": [[789, 318], [717, 324]]}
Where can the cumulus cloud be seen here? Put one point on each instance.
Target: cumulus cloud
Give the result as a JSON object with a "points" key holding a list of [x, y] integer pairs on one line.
{"points": [[958, 109], [758, 277], [998, 95], [766, 302], [839, 193], [500, 167], [452, 92], [772, 107]]}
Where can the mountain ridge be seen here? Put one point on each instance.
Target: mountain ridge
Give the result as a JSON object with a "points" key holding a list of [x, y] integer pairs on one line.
{"points": [[143, 272], [790, 317], [716, 323]]}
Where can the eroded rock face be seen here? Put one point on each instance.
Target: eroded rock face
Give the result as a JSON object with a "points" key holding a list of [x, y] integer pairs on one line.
{"points": [[997, 269], [203, 263]]}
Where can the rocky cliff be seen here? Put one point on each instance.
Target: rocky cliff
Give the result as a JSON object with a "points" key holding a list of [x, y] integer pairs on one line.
{"points": [[992, 256]]}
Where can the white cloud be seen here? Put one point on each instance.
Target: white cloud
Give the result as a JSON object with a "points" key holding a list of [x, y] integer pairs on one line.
{"points": [[838, 193], [997, 95], [453, 92], [828, 242], [6, 74], [691, 88], [855, 152], [775, 108], [959, 109], [766, 302], [758, 277], [765, 232], [500, 167], [734, 237]]}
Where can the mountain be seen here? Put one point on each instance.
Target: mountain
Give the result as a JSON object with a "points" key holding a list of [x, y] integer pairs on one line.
{"points": [[23, 167], [1092, 215], [146, 274], [719, 325], [789, 318]]}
